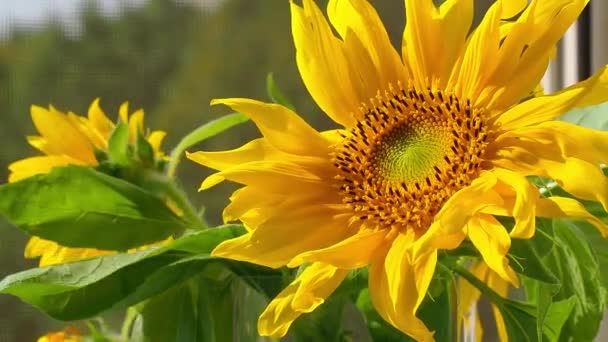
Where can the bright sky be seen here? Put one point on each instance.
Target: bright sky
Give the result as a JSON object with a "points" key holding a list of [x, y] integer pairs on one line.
{"points": [[31, 13]]}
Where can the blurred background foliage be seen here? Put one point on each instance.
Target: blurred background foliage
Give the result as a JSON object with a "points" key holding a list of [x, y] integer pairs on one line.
{"points": [[170, 58]]}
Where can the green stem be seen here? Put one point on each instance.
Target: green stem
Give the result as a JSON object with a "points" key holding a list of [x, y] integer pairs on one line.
{"points": [[480, 285], [130, 317], [181, 200], [168, 187]]}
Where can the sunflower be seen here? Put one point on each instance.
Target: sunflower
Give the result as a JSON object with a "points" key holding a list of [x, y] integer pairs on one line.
{"points": [[69, 334], [430, 146], [70, 139]]}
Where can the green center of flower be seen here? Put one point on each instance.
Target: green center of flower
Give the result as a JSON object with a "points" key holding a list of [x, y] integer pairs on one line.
{"points": [[407, 155]]}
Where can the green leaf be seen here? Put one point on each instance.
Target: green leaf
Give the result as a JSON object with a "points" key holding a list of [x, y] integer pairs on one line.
{"points": [[556, 317], [213, 306], [83, 289], [577, 267], [275, 94], [202, 133], [591, 116], [526, 255], [599, 244], [118, 145], [80, 207]]}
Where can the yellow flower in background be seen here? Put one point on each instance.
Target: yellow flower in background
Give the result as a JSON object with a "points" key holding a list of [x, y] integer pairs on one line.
{"points": [[432, 144], [469, 295], [69, 334], [70, 139]]}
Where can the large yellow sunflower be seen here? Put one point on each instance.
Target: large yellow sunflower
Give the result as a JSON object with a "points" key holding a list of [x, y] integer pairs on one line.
{"points": [[70, 139], [431, 145]]}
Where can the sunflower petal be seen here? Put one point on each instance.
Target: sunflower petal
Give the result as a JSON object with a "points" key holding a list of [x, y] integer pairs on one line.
{"points": [[303, 295], [277, 176], [329, 78], [280, 238], [493, 242], [255, 150], [353, 252], [431, 32], [524, 205], [398, 286], [562, 207], [592, 91], [359, 18], [562, 139], [31, 166], [467, 202], [57, 128], [99, 121], [283, 128]]}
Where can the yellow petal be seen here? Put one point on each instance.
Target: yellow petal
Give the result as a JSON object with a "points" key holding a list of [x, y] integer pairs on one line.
{"points": [[562, 139], [123, 112], [592, 91], [562, 207], [357, 20], [329, 78], [99, 121], [51, 253], [283, 128], [155, 138], [293, 175], [469, 295], [303, 295], [31, 166], [39, 143], [398, 286], [255, 150], [353, 252], [277, 240], [493, 242], [567, 174], [431, 32], [479, 57], [136, 124], [526, 195], [524, 47], [467, 202], [61, 135]]}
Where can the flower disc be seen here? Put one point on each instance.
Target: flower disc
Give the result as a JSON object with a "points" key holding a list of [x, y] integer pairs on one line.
{"points": [[409, 153]]}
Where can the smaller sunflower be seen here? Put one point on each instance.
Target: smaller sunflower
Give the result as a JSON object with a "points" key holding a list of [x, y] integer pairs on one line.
{"points": [[70, 139], [69, 334]]}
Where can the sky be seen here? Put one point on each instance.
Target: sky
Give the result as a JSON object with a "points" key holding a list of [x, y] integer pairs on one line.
{"points": [[33, 13]]}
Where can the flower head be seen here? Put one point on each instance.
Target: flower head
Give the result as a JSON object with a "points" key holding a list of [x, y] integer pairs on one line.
{"points": [[70, 139], [431, 145], [69, 334]]}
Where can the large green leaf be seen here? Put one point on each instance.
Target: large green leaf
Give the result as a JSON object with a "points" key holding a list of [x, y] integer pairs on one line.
{"points": [[213, 306], [85, 288], [80, 207], [575, 264]]}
